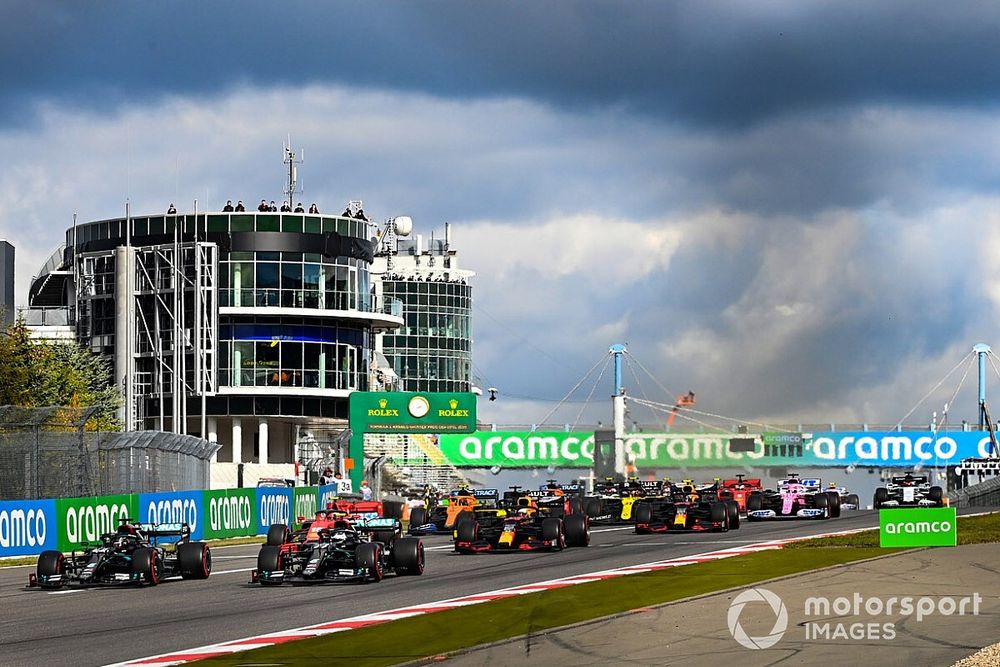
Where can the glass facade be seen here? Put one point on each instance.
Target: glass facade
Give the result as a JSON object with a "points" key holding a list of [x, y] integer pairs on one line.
{"points": [[288, 352], [294, 280], [432, 351], [310, 263]]}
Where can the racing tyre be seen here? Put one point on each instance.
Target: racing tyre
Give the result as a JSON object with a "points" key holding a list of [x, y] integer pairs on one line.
{"points": [[194, 560], [881, 495], [936, 493], [594, 507], [277, 534], [834, 504], [575, 505], [552, 531], [392, 509], [418, 517], [643, 513], [50, 563], [854, 500], [463, 517], [755, 502], [146, 563], [408, 556], [577, 530], [719, 513], [269, 560], [734, 513], [369, 556], [822, 502], [468, 531]]}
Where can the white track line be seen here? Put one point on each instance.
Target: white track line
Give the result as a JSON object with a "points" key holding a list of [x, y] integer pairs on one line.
{"points": [[341, 625]]}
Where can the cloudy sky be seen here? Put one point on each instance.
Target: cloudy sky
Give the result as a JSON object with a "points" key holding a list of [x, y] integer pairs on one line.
{"points": [[788, 207]]}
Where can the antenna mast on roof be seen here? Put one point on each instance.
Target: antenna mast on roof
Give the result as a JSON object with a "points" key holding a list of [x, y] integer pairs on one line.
{"points": [[292, 172]]}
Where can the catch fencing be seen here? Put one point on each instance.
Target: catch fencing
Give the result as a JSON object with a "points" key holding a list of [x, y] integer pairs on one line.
{"points": [[50, 453]]}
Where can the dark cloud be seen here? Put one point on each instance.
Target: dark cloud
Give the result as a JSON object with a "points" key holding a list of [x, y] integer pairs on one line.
{"points": [[719, 63]]}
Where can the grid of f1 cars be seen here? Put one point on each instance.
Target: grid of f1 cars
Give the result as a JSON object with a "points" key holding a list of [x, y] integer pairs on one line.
{"points": [[363, 541]]}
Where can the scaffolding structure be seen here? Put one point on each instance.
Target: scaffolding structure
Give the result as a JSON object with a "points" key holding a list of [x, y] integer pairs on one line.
{"points": [[158, 319]]}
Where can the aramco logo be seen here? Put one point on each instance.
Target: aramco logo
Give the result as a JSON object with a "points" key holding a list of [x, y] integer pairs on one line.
{"points": [[780, 620]]}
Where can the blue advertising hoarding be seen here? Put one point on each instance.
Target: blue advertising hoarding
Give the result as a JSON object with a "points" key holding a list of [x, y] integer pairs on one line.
{"points": [[897, 449], [174, 507], [27, 527], [274, 505]]}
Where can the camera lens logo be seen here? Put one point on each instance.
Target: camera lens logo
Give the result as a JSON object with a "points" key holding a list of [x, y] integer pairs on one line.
{"points": [[757, 595]]}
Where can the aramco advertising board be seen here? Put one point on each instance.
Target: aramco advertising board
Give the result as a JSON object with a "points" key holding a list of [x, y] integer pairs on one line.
{"points": [[485, 449]]}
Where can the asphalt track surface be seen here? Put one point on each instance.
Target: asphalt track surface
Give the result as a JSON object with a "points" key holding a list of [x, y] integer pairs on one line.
{"points": [[97, 626]]}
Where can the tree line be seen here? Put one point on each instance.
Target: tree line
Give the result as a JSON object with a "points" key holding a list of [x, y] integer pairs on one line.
{"points": [[40, 373]]}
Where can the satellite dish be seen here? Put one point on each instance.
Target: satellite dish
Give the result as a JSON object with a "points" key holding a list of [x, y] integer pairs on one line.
{"points": [[403, 225]]}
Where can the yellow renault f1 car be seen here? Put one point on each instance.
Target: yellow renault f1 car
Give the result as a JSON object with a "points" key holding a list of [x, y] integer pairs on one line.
{"points": [[613, 502]]}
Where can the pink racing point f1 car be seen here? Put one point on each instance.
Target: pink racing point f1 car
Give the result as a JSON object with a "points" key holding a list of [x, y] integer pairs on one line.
{"points": [[794, 499]]}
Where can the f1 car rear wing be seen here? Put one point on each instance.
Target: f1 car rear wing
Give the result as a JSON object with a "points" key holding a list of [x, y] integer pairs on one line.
{"points": [[378, 523], [808, 482], [566, 488], [755, 481], [913, 479], [154, 530], [486, 494], [545, 493]]}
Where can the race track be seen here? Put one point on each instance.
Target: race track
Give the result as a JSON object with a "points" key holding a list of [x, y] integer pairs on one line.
{"points": [[105, 625]]}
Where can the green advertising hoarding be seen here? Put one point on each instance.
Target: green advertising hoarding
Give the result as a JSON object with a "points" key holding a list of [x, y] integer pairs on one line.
{"points": [[230, 513], [304, 500], [918, 527], [575, 449], [83, 520]]}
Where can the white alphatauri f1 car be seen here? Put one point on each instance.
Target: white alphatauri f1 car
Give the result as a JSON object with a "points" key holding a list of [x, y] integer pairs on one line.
{"points": [[909, 490]]}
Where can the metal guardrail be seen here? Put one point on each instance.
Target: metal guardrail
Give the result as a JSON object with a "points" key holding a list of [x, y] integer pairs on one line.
{"points": [[983, 494]]}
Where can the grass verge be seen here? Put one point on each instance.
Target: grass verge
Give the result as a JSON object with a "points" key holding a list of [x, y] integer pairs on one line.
{"points": [[230, 542], [971, 530], [442, 632]]}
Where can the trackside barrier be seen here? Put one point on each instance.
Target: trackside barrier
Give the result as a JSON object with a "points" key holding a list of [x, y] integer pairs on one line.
{"points": [[305, 500], [174, 507], [231, 513], [82, 520], [274, 505], [29, 527]]}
